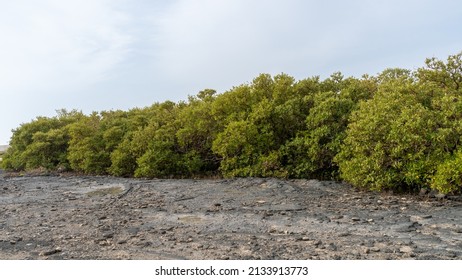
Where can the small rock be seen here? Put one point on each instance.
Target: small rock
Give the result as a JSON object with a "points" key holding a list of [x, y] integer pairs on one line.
{"points": [[317, 243], [50, 252], [440, 196], [457, 230], [355, 219], [108, 235], [145, 244], [420, 218], [332, 247], [304, 238], [103, 243], [424, 191], [375, 249], [432, 193], [405, 227], [406, 249]]}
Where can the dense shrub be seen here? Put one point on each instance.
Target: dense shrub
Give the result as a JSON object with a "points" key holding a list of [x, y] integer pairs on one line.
{"points": [[310, 154], [388, 142], [400, 129], [250, 142], [198, 127], [408, 135], [86, 146], [41, 143]]}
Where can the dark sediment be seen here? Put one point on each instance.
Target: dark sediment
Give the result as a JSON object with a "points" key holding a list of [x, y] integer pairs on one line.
{"points": [[84, 217]]}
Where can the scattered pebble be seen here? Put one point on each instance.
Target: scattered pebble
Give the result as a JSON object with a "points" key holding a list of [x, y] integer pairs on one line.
{"points": [[406, 249], [50, 252], [303, 219]]}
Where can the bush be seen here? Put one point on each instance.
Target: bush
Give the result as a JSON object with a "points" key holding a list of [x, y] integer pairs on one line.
{"points": [[387, 143], [87, 152], [400, 129], [310, 154], [41, 143], [448, 177], [408, 135]]}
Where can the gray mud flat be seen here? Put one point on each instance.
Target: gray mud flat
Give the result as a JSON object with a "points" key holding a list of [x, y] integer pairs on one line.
{"points": [[79, 217]]}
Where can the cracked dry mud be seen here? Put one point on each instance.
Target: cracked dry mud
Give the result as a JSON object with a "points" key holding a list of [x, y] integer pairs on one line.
{"points": [[84, 217]]}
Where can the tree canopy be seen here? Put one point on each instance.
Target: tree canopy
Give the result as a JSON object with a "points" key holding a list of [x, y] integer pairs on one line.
{"points": [[400, 129]]}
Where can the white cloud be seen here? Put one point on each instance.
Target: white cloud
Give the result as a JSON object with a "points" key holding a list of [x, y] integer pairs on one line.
{"points": [[53, 45], [110, 54], [216, 40], [52, 52]]}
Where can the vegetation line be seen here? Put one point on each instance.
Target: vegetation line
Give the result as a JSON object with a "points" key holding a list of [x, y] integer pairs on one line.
{"points": [[400, 129]]}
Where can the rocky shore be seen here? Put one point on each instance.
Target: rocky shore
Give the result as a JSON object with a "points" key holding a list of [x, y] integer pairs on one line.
{"points": [[84, 217]]}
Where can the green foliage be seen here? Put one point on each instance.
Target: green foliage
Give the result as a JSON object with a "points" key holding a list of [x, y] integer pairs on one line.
{"points": [[388, 143], [236, 145], [87, 147], [198, 129], [123, 159], [249, 144], [400, 129], [444, 75], [310, 154], [448, 177], [41, 143], [408, 135], [134, 142], [321, 140], [161, 158]]}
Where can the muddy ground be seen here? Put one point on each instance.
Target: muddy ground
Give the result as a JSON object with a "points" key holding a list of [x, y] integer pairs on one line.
{"points": [[83, 217]]}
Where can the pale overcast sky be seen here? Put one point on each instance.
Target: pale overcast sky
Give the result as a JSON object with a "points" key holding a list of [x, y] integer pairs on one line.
{"points": [[95, 55]]}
